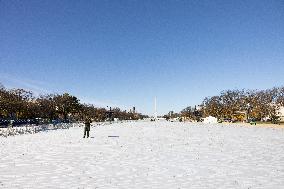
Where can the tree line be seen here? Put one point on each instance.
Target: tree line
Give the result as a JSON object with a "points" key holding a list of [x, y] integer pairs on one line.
{"points": [[239, 105], [21, 104]]}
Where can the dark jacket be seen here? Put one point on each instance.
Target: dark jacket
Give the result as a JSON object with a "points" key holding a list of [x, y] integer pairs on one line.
{"points": [[87, 125]]}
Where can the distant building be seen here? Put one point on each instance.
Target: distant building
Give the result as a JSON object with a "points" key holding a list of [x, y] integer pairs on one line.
{"points": [[171, 113], [133, 110], [280, 113]]}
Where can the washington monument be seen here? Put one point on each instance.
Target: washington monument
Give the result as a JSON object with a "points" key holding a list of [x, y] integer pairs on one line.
{"points": [[155, 105]]}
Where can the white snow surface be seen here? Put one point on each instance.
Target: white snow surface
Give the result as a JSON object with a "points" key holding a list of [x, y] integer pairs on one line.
{"points": [[145, 155]]}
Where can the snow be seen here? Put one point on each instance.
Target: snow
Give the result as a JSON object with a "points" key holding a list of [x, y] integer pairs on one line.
{"points": [[145, 155], [32, 129], [210, 119]]}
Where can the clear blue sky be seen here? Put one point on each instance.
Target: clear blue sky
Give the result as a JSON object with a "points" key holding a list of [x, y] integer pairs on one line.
{"points": [[125, 53]]}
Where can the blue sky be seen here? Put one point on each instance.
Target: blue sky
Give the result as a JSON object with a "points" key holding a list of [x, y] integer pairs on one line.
{"points": [[124, 53]]}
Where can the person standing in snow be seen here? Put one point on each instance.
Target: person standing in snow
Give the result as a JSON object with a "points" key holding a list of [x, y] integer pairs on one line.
{"points": [[87, 128]]}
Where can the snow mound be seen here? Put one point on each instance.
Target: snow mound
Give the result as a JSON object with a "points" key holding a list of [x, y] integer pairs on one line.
{"points": [[210, 119]]}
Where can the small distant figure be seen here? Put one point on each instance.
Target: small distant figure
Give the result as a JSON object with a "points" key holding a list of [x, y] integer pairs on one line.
{"points": [[11, 123], [87, 128]]}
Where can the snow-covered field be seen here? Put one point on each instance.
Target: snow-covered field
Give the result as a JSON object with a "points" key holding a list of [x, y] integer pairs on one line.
{"points": [[145, 155]]}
